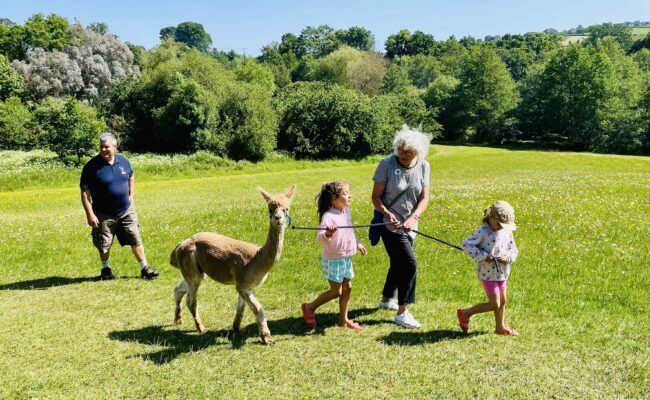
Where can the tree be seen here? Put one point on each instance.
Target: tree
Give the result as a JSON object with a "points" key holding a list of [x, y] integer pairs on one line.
{"points": [[357, 37], [481, 103], [191, 33], [323, 120], [48, 33], [88, 68], [352, 68], [98, 27], [255, 73], [587, 98], [168, 32], [318, 41], [403, 43], [17, 126], [620, 33], [11, 83], [69, 127]]}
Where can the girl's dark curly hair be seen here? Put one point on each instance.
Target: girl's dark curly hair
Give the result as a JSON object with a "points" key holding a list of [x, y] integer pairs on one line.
{"points": [[328, 192]]}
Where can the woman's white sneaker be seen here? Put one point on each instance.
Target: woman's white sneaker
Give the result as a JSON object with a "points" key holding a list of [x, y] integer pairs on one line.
{"points": [[406, 320], [391, 304]]}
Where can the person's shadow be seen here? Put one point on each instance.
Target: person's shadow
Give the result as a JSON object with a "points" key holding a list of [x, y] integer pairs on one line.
{"points": [[46, 283], [177, 342], [413, 338]]}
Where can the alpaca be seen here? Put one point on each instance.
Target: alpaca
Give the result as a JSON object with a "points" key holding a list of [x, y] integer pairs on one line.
{"points": [[232, 262]]}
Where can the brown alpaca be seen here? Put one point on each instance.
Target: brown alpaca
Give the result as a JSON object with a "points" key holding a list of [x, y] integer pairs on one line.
{"points": [[232, 262]]}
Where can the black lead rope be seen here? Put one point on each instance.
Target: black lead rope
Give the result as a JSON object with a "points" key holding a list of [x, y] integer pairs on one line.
{"points": [[307, 228]]}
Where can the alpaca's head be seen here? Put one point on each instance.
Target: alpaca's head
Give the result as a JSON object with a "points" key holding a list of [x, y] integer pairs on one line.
{"points": [[279, 205]]}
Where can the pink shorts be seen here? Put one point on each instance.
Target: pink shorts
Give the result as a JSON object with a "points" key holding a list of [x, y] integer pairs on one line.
{"points": [[492, 288]]}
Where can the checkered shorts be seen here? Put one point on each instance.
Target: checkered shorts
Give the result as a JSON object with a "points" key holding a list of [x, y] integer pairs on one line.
{"points": [[337, 269]]}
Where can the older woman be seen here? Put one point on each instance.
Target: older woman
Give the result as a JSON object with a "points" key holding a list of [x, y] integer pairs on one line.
{"points": [[401, 194]]}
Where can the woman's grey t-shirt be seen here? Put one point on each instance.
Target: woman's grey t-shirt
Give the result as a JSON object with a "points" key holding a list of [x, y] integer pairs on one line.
{"points": [[397, 178]]}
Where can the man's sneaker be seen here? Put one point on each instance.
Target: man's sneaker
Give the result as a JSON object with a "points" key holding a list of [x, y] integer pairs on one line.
{"points": [[391, 304], [106, 274], [406, 320], [148, 273]]}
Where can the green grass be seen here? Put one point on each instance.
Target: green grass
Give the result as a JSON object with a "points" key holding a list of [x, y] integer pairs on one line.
{"points": [[640, 32], [578, 293]]}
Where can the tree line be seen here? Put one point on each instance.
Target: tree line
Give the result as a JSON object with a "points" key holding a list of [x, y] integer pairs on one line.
{"points": [[320, 93]]}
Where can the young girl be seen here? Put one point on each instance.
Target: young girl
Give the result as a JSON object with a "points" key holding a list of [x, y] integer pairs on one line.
{"points": [[338, 248], [493, 247]]}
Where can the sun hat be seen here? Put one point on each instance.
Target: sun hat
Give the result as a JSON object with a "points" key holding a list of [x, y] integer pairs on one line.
{"points": [[503, 212]]}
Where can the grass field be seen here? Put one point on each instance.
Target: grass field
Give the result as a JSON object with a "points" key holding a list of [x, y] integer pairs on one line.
{"points": [[578, 293], [640, 32]]}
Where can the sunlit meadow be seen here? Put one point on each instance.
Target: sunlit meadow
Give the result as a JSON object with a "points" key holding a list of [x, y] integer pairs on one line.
{"points": [[579, 293]]}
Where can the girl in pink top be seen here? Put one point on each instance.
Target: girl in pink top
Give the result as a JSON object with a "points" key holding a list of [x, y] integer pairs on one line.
{"points": [[338, 248]]}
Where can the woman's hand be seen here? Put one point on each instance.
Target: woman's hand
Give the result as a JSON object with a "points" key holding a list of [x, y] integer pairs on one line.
{"points": [[393, 219], [330, 229], [503, 259], [409, 223]]}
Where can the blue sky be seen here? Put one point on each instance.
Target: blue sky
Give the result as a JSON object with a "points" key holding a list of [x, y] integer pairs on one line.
{"points": [[246, 25]]}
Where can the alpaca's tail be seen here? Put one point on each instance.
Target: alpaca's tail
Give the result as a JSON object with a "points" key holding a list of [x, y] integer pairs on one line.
{"points": [[184, 247]]}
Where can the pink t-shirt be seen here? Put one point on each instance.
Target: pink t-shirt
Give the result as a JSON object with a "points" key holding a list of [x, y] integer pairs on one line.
{"points": [[343, 243]]}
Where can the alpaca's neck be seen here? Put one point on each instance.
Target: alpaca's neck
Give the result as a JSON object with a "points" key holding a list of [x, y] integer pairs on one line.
{"points": [[270, 252]]}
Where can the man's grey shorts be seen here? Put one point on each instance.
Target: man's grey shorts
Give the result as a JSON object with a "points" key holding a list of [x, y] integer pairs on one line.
{"points": [[125, 227]]}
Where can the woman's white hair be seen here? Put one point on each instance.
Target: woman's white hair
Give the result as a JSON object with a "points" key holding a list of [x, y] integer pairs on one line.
{"points": [[412, 139], [107, 136]]}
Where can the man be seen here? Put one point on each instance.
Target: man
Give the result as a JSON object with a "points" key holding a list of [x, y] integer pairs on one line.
{"points": [[107, 191]]}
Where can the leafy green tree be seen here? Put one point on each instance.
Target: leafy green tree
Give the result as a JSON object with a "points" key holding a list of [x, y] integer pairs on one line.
{"points": [[281, 64], [641, 44], [259, 74], [290, 43], [403, 43], [49, 33], [322, 120], [352, 68], [17, 126], [357, 37], [397, 80], [69, 127], [11, 83], [620, 33], [318, 41], [191, 33], [168, 32], [98, 27], [588, 98], [481, 104]]}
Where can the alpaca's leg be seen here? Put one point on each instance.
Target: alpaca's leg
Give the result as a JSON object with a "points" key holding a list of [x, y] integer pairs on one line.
{"points": [[241, 305], [192, 290], [257, 309], [179, 292]]}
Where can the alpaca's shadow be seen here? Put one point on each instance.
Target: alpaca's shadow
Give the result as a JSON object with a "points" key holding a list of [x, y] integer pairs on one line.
{"points": [[46, 283], [411, 338], [177, 342]]}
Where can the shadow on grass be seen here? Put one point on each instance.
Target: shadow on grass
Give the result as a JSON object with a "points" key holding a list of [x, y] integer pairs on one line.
{"points": [[45, 283], [177, 342], [411, 338]]}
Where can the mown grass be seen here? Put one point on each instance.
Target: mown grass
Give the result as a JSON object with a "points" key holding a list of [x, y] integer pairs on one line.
{"points": [[578, 293]]}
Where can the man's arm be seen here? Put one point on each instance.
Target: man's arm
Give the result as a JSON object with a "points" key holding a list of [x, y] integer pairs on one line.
{"points": [[91, 218], [131, 189]]}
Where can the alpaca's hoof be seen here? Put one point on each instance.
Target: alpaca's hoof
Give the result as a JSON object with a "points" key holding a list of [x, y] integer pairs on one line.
{"points": [[201, 329], [178, 320], [267, 340]]}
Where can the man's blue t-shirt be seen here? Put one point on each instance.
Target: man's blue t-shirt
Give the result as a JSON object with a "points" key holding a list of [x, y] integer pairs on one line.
{"points": [[108, 184]]}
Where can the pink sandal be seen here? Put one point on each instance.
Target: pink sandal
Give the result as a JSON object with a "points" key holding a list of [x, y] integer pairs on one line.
{"points": [[463, 321], [308, 317], [507, 331], [352, 325]]}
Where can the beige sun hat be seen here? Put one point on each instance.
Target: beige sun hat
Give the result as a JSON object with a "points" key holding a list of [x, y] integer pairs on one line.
{"points": [[503, 212]]}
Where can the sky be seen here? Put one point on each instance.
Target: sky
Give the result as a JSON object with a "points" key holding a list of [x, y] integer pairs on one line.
{"points": [[245, 25]]}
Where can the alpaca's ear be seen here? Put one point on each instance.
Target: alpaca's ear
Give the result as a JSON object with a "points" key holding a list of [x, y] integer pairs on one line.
{"points": [[291, 192], [265, 194]]}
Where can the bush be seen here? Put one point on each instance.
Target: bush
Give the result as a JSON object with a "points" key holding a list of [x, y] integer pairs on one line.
{"points": [[11, 83], [69, 127], [324, 120], [17, 126]]}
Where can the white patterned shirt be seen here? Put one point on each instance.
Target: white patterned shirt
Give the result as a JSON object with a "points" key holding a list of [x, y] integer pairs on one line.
{"points": [[486, 241]]}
